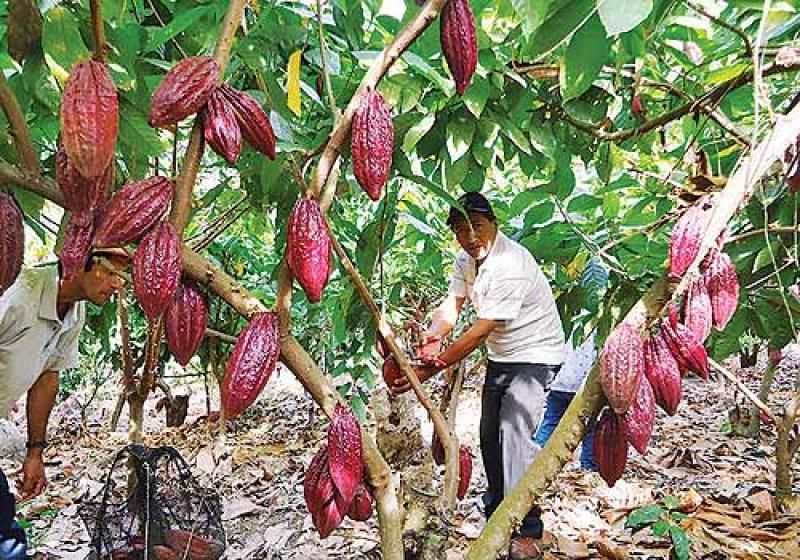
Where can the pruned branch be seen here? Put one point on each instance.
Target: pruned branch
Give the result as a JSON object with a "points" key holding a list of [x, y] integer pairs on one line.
{"points": [[26, 152]]}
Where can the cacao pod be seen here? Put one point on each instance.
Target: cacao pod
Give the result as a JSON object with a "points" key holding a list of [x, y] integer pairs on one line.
{"points": [[464, 470], [157, 269], [185, 322], [663, 372], [90, 118], [132, 211], [251, 363], [372, 143], [308, 247], [330, 516], [253, 121], [361, 508], [193, 546], [687, 350], [165, 553], [220, 127], [722, 284], [12, 241], [23, 28], [323, 500], [80, 194], [640, 416], [311, 483], [684, 244], [437, 450], [392, 374], [697, 309], [775, 357], [459, 42], [622, 366], [345, 456], [610, 448], [381, 346], [184, 90], [77, 244]]}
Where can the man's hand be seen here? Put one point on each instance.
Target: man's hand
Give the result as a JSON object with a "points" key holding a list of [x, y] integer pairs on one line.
{"points": [[424, 372], [31, 477], [429, 347]]}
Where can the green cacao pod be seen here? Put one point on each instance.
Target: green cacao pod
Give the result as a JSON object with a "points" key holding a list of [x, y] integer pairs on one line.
{"points": [[184, 90], [372, 143], [132, 211], [610, 448], [622, 366], [12, 240], [157, 269], [459, 42]]}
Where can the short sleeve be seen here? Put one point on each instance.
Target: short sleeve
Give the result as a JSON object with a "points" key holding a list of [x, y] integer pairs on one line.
{"points": [[66, 353], [458, 281], [13, 318], [502, 300]]}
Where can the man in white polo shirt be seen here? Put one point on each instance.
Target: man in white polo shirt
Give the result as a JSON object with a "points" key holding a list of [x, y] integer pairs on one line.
{"points": [[41, 317], [518, 320]]}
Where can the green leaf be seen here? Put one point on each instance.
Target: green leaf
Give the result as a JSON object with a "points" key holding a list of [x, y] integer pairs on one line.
{"points": [[587, 52], [542, 137], [460, 131], [680, 543], [540, 213], [476, 95], [584, 203], [660, 528], [671, 502], [644, 516], [532, 13], [558, 27], [179, 24], [620, 16], [417, 131], [514, 134], [594, 276], [62, 42]]}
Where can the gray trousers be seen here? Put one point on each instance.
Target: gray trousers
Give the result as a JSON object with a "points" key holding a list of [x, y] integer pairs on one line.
{"points": [[511, 409]]}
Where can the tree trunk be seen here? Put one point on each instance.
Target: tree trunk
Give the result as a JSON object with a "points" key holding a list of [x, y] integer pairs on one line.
{"points": [[763, 395], [785, 449]]}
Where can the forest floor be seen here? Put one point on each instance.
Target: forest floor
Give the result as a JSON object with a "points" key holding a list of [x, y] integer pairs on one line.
{"points": [[720, 481]]}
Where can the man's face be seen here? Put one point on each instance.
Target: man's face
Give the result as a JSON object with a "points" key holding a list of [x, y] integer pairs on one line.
{"points": [[478, 241], [102, 281]]}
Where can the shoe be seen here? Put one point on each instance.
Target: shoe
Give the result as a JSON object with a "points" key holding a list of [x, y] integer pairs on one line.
{"points": [[525, 548]]}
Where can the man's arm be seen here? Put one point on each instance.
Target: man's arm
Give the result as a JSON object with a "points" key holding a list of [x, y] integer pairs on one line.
{"points": [[442, 322], [41, 397]]}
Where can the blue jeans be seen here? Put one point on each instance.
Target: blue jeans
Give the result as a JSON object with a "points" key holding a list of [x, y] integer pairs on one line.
{"points": [[557, 403], [13, 544]]}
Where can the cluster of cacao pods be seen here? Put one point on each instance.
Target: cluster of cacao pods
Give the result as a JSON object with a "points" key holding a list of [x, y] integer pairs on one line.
{"points": [[251, 363], [227, 114], [12, 240], [334, 482], [308, 247]]}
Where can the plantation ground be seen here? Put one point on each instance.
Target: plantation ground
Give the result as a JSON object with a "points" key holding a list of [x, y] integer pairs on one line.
{"points": [[720, 480]]}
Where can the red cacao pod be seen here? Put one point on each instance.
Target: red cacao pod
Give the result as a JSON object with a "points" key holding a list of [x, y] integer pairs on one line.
{"points": [[77, 244], [687, 235], [311, 483], [437, 450], [372, 143], [345, 456], [184, 90], [459, 42], [464, 470], [663, 373], [775, 357], [81, 194], [90, 118], [687, 350], [220, 127], [636, 105], [157, 269], [12, 240], [185, 322], [308, 247], [251, 363], [330, 516], [132, 211], [361, 507], [253, 121], [193, 546], [640, 416], [392, 375], [722, 284], [610, 448], [697, 309], [622, 366]]}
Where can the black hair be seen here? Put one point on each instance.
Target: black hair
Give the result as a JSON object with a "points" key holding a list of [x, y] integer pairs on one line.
{"points": [[472, 202]]}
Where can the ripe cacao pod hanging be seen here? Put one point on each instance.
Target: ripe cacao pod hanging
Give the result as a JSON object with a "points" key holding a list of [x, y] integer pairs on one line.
{"points": [[687, 235], [253, 121], [640, 416], [308, 247], [77, 244], [311, 487], [459, 42], [621, 366], [372, 143], [687, 350], [12, 240], [723, 289], [132, 211], [220, 127], [90, 118], [361, 507], [184, 90], [464, 470], [663, 372], [81, 194], [251, 363], [157, 269], [610, 448], [697, 309], [185, 322], [322, 499], [345, 456]]}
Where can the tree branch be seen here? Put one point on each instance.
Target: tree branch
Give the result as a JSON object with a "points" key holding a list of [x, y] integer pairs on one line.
{"points": [[722, 23], [752, 397], [98, 31], [777, 230], [26, 152]]}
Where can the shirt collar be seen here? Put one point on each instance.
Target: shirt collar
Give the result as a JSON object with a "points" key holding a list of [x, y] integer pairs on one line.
{"points": [[49, 299]]}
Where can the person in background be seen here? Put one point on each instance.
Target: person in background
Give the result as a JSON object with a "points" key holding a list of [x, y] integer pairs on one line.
{"points": [[577, 364]]}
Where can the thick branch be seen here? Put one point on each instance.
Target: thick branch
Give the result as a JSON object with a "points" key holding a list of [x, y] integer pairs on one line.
{"points": [[98, 31], [19, 128]]}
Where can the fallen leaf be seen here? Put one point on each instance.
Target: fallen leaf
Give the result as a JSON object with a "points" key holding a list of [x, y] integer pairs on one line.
{"points": [[238, 507]]}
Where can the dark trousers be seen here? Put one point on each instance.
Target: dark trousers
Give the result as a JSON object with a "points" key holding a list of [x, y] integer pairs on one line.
{"points": [[511, 407], [557, 403], [13, 544]]}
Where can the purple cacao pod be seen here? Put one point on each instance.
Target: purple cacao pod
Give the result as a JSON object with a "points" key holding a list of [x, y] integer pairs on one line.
{"points": [[185, 322], [157, 269]]}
